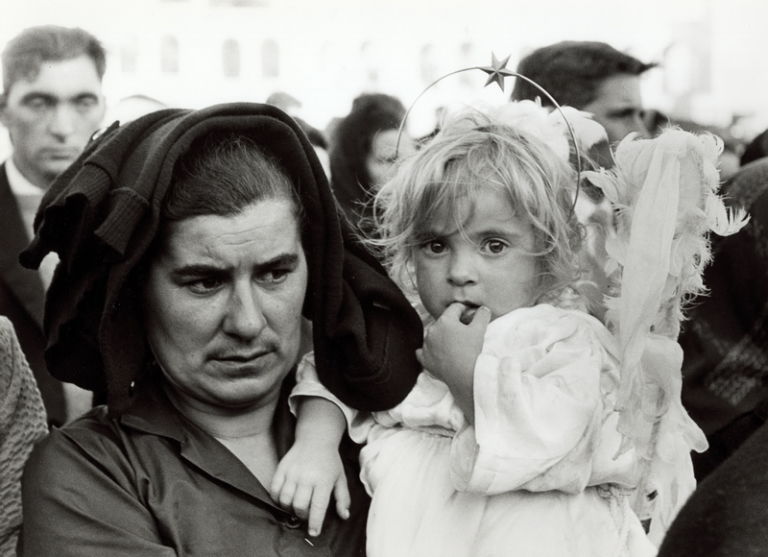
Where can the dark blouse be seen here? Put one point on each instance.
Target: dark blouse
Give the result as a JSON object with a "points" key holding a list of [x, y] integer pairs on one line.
{"points": [[150, 483]]}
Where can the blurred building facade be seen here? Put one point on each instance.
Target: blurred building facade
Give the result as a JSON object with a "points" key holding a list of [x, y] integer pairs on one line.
{"points": [[325, 52]]}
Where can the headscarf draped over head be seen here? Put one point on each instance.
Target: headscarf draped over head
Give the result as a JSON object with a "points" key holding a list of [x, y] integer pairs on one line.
{"points": [[103, 213]]}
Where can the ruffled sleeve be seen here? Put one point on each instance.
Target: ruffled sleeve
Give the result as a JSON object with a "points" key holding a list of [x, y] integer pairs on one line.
{"points": [[538, 404]]}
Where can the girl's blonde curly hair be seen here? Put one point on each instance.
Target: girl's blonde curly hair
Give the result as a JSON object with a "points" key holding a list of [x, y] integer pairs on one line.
{"points": [[470, 153]]}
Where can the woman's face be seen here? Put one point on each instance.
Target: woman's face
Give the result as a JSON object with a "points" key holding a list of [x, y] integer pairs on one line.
{"points": [[382, 156], [223, 305]]}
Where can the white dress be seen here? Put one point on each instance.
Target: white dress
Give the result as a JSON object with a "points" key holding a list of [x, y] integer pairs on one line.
{"points": [[535, 475]]}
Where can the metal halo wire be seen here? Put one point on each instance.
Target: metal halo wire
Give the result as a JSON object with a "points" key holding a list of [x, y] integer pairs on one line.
{"points": [[507, 73]]}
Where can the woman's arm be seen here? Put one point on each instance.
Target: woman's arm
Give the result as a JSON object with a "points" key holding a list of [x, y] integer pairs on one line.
{"points": [[74, 506]]}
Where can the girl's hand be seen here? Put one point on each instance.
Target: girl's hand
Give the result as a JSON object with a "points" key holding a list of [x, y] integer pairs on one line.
{"points": [[450, 350], [305, 479]]}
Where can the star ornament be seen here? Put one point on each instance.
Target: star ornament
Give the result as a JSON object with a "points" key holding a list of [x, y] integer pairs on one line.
{"points": [[497, 71]]}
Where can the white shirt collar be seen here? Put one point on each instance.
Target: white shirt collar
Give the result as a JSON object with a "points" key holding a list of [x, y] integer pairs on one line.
{"points": [[19, 184]]}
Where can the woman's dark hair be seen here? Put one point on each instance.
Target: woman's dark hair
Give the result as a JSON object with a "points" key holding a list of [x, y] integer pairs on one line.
{"points": [[221, 174], [350, 181]]}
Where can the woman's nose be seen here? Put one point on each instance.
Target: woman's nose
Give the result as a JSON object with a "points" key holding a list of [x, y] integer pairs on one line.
{"points": [[245, 316]]}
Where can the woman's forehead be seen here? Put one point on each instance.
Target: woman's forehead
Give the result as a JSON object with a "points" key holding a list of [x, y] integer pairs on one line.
{"points": [[261, 228]]}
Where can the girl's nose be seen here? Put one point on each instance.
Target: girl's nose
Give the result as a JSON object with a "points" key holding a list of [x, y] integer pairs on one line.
{"points": [[461, 269]]}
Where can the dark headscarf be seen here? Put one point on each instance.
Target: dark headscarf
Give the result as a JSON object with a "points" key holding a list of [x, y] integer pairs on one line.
{"points": [[102, 215], [351, 183]]}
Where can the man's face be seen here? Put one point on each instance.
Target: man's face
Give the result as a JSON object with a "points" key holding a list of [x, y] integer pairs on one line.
{"points": [[51, 117], [618, 106], [223, 304]]}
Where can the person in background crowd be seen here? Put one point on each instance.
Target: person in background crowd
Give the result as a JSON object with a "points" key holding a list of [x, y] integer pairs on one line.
{"points": [[22, 423], [591, 76], [725, 340], [726, 515], [51, 104], [318, 141], [190, 305], [363, 154], [755, 149], [596, 78]]}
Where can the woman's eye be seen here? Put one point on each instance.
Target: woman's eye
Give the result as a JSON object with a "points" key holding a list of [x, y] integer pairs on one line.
{"points": [[494, 247], [205, 285], [274, 276]]}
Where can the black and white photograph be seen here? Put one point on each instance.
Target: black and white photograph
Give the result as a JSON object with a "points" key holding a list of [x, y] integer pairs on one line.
{"points": [[368, 278]]}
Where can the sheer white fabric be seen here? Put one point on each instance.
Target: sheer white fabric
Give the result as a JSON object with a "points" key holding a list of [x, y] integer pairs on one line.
{"points": [[534, 476]]}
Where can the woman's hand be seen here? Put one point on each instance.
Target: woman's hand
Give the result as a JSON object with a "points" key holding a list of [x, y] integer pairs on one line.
{"points": [[451, 349]]}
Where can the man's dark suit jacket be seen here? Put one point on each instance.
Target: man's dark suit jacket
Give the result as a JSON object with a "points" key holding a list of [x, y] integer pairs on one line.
{"points": [[22, 299]]}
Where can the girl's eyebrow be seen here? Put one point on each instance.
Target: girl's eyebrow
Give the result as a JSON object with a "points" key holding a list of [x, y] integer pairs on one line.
{"points": [[485, 232]]}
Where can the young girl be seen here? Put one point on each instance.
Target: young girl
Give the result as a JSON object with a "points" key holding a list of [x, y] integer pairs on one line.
{"points": [[508, 444]]}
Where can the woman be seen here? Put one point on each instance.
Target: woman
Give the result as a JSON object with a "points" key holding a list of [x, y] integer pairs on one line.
{"points": [[191, 243], [363, 153]]}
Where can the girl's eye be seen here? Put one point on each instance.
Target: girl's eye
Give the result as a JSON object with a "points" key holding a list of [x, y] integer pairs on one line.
{"points": [[494, 246], [434, 246]]}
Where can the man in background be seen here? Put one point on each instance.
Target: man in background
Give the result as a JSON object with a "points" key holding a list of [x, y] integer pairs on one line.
{"points": [[51, 105], [591, 76]]}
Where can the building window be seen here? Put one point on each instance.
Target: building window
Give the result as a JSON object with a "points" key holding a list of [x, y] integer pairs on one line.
{"points": [[240, 3], [129, 54], [169, 55], [270, 59], [230, 58], [467, 57], [427, 63]]}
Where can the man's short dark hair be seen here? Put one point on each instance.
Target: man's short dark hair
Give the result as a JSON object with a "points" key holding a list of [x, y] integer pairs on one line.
{"points": [[572, 71], [25, 53]]}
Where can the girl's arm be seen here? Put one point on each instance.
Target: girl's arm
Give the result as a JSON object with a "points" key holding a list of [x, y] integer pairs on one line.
{"points": [[312, 469], [539, 391]]}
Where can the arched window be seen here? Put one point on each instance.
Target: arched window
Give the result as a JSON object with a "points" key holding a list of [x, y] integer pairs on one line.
{"points": [[230, 58], [129, 54], [427, 63], [369, 57], [466, 55], [169, 55], [270, 58]]}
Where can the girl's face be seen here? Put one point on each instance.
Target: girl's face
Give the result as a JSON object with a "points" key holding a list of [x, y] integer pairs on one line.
{"points": [[489, 262]]}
